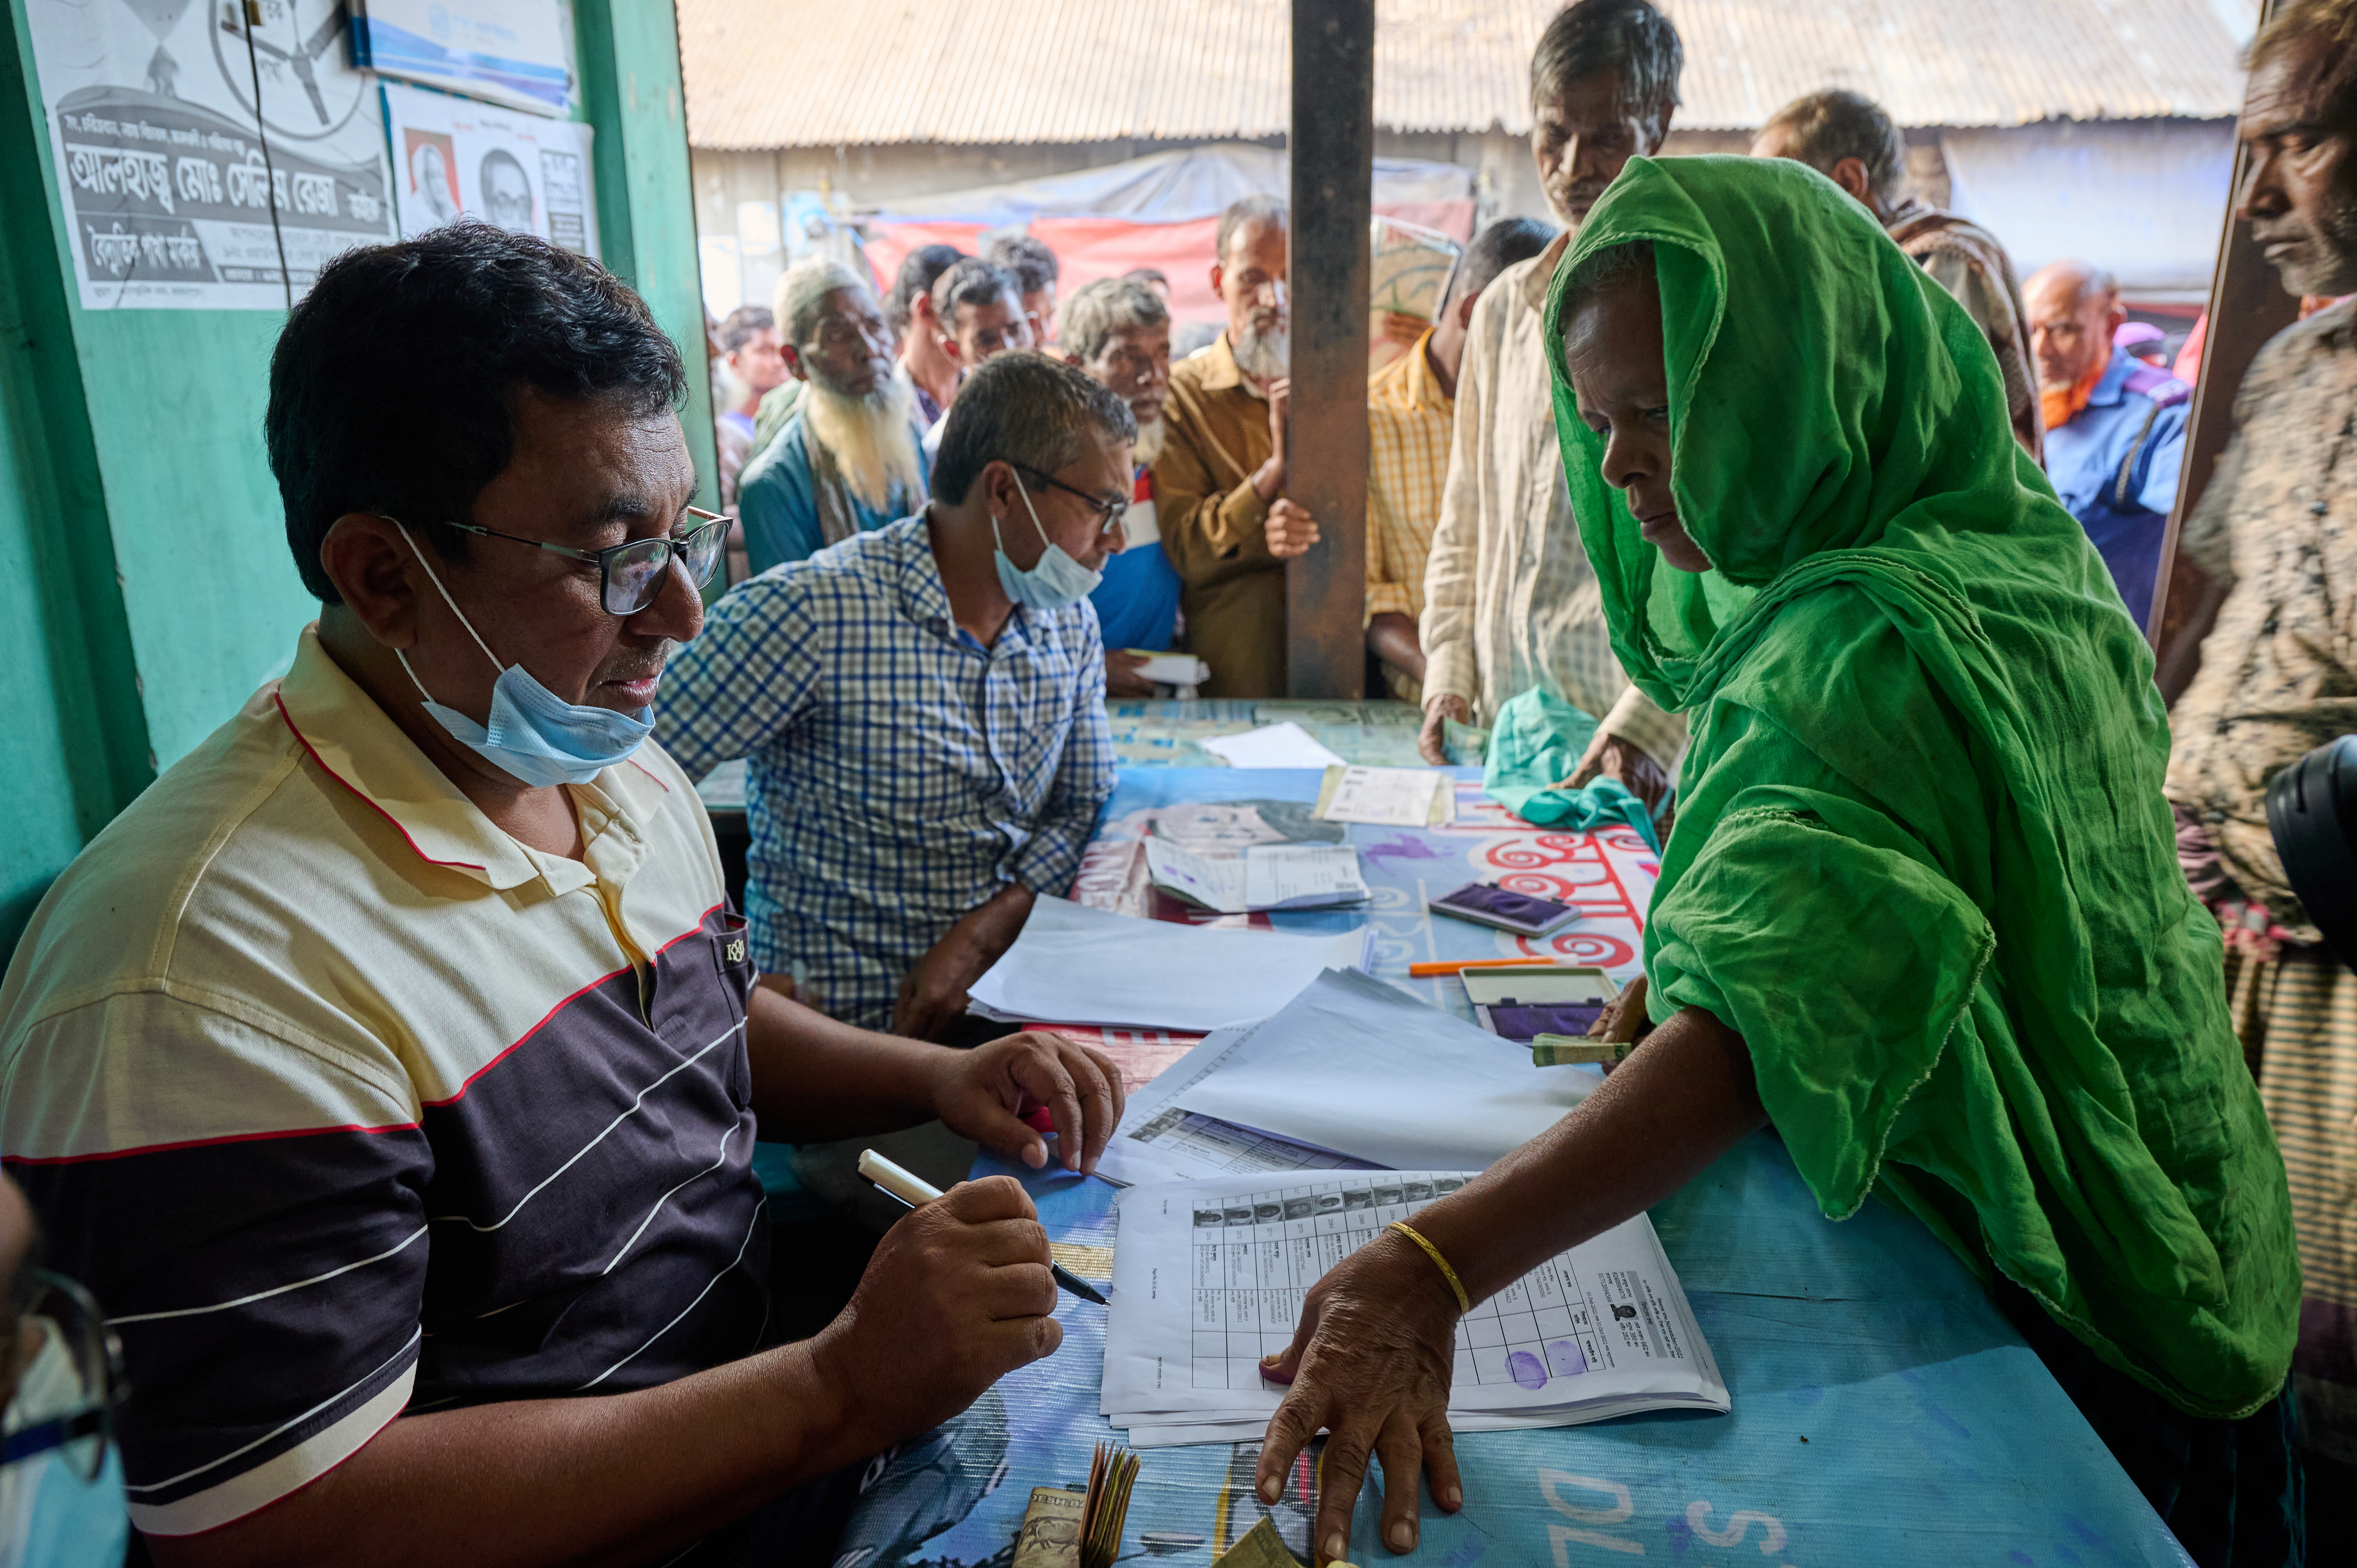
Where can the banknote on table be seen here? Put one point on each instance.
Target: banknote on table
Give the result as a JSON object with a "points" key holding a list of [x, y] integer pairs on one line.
{"points": [[1577, 1050], [1261, 1547], [1050, 1536]]}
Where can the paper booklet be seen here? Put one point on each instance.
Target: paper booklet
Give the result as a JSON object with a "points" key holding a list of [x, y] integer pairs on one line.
{"points": [[1267, 876], [1209, 1276]]}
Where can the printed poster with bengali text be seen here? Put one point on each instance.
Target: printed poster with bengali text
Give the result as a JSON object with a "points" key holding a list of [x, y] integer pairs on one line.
{"points": [[518, 171], [167, 175]]}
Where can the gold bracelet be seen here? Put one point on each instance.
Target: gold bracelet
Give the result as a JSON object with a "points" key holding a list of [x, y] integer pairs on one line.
{"points": [[1404, 1229]]}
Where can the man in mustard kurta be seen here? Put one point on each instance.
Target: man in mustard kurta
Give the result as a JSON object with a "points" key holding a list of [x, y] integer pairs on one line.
{"points": [[1218, 486]]}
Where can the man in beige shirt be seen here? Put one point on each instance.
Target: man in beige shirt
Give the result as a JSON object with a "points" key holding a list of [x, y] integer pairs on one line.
{"points": [[1219, 484], [1510, 601]]}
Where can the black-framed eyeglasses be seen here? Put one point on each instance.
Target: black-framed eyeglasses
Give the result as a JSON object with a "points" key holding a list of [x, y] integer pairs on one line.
{"points": [[1109, 514], [631, 575], [79, 1437]]}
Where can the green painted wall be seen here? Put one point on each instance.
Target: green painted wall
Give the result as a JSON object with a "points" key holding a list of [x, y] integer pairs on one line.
{"points": [[145, 585]]}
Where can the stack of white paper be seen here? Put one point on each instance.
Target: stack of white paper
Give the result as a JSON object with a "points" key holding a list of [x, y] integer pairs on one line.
{"points": [[1209, 1277], [1356, 1065], [1268, 875], [1159, 1140], [1078, 965]]}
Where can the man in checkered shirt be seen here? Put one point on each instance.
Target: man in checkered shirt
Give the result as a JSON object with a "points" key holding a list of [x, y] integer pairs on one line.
{"points": [[923, 708]]}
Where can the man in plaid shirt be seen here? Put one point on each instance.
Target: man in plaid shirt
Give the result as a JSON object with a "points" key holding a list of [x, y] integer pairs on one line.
{"points": [[924, 707]]}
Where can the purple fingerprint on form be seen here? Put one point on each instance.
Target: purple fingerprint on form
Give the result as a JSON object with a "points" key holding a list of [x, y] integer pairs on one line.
{"points": [[1563, 1356], [1526, 1370]]}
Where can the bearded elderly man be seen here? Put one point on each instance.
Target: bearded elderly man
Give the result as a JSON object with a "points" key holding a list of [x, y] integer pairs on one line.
{"points": [[847, 460], [1218, 486], [2279, 525], [391, 1068], [1509, 600], [1118, 330]]}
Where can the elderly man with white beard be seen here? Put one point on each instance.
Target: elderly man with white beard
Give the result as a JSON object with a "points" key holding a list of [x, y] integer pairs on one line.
{"points": [[1219, 484], [847, 460], [1118, 330]]}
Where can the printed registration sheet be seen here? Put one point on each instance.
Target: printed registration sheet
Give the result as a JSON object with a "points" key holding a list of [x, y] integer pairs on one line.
{"points": [[1209, 1277], [1266, 876], [1387, 797]]}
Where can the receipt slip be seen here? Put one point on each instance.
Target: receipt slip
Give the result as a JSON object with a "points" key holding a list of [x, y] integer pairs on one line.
{"points": [[1268, 876], [1387, 797], [1171, 668]]}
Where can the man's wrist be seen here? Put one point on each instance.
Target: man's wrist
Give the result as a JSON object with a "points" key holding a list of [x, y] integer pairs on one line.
{"points": [[1268, 479]]}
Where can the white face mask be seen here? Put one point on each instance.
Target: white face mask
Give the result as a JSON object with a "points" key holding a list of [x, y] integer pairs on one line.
{"points": [[1056, 581], [53, 1513], [534, 735]]}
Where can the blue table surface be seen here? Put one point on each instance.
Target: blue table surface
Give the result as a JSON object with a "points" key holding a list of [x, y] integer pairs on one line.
{"points": [[1884, 1411]]}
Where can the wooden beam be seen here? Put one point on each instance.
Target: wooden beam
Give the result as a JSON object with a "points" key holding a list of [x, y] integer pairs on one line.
{"points": [[1333, 147], [2247, 307]]}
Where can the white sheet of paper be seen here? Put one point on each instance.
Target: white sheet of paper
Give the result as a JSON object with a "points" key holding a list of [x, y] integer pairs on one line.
{"points": [[1356, 1065], [1175, 668], [1274, 745], [1209, 1276], [1078, 965], [1266, 876], [1390, 797], [1156, 1141]]}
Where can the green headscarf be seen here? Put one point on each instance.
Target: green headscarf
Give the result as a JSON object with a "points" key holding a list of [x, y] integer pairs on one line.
{"points": [[1921, 862]]}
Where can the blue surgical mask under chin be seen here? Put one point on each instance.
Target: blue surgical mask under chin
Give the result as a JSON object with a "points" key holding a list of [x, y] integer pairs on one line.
{"points": [[1056, 581], [533, 734]]}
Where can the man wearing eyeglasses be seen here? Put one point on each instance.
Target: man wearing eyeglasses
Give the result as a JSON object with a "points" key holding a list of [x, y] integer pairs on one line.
{"points": [[61, 1502], [391, 1068], [924, 707]]}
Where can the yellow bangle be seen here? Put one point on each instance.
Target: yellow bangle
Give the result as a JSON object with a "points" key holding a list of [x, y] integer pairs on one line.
{"points": [[1404, 1229]]}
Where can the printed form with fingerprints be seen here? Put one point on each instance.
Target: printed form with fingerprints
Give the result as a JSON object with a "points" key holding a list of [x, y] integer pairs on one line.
{"points": [[1209, 1277]]}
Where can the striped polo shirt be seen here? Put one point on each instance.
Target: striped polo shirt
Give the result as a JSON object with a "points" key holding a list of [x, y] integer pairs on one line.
{"points": [[344, 1103]]}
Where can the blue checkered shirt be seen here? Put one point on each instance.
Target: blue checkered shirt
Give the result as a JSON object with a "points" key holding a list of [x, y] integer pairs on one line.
{"points": [[900, 772]]}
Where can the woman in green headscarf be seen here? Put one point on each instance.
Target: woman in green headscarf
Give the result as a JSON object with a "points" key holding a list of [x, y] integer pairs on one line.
{"points": [[1921, 910]]}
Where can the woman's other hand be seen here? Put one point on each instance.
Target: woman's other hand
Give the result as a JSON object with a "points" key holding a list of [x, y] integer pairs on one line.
{"points": [[1370, 1361]]}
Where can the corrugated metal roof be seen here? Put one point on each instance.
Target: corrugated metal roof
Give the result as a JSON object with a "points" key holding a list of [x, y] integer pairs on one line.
{"points": [[797, 73]]}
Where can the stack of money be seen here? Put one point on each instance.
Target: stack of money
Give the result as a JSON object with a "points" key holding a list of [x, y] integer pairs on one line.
{"points": [[1111, 1472]]}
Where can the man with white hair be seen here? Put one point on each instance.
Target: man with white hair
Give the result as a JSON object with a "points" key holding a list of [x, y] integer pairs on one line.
{"points": [[1118, 330], [847, 460]]}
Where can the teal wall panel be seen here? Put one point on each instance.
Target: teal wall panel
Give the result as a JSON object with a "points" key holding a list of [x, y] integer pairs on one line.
{"points": [[145, 584], [75, 747]]}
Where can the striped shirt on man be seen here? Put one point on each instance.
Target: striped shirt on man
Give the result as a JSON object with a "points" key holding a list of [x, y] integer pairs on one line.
{"points": [[345, 1103]]}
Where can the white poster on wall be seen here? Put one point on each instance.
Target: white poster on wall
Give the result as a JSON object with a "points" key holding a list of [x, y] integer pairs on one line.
{"points": [[167, 175], [518, 171], [515, 52]]}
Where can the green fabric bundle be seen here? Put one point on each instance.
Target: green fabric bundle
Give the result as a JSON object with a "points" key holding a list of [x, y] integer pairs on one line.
{"points": [[1921, 862], [1536, 745]]}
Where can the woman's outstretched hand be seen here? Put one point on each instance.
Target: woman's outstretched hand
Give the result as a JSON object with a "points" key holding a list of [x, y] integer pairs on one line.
{"points": [[1371, 1362]]}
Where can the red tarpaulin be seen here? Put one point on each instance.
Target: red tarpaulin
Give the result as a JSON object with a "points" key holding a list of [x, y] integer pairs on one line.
{"points": [[1088, 249], [888, 245]]}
